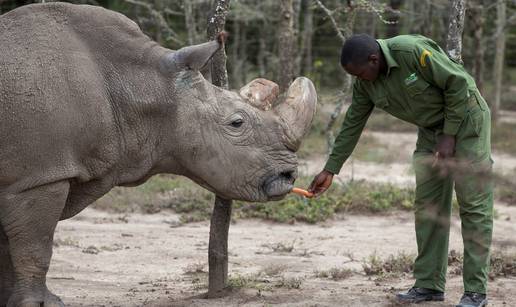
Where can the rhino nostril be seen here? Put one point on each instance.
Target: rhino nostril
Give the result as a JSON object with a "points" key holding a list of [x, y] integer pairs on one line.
{"points": [[288, 175]]}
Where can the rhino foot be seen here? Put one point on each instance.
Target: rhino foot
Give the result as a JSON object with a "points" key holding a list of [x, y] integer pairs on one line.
{"points": [[50, 300]]}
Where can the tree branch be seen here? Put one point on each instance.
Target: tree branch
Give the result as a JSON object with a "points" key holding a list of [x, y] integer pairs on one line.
{"points": [[333, 22], [159, 20]]}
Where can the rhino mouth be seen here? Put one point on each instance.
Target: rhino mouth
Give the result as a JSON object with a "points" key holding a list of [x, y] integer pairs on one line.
{"points": [[279, 185]]}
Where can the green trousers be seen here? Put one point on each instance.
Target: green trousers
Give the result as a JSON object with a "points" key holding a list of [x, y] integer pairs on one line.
{"points": [[471, 173]]}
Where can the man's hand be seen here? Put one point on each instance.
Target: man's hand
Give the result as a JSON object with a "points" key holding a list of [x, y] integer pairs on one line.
{"points": [[443, 152], [321, 183], [445, 147]]}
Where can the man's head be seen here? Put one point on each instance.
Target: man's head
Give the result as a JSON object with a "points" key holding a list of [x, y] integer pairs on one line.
{"points": [[361, 57]]}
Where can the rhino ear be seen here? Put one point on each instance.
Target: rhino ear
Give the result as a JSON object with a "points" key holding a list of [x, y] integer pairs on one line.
{"points": [[192, 57]]}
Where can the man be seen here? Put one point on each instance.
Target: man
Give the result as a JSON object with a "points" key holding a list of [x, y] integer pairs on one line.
{"points": [[412, 78]]}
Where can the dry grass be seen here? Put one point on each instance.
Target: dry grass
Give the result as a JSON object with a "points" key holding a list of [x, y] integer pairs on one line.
{"points": [[334, 273]]}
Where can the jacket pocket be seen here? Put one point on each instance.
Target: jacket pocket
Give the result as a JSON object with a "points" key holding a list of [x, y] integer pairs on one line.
{"points": [[417, 87]]}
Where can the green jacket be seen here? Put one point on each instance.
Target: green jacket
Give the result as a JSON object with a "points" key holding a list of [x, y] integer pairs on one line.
{"points": [[422, 86]]}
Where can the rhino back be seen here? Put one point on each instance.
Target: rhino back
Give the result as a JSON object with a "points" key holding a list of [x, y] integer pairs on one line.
{"points": [[60, 63]]}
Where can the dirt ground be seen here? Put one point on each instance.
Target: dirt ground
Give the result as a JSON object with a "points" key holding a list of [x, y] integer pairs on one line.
{"points": [[143, 260], [103, 259]]}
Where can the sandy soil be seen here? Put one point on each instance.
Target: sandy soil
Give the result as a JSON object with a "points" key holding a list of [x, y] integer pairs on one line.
{"points": [[141, 260]]}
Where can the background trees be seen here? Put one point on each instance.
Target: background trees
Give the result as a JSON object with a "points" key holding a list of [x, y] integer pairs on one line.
{"points": [[281, 39]]}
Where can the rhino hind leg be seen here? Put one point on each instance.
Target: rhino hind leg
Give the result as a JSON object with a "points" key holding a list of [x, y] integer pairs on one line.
{"points": [[6, 270], [29, 219]]}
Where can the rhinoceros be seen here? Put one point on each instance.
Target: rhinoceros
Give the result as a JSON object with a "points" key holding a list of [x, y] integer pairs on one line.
{"points": [[88, 102]]}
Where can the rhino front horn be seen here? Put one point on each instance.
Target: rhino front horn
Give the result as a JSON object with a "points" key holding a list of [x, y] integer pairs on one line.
{"points": [[297, 111]]}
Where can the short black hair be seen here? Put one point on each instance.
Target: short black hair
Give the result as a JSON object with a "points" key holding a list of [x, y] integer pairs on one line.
{"points": [[357, 49]]}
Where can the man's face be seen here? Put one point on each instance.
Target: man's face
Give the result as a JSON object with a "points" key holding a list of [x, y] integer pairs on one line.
{"points": [[368, 71]]}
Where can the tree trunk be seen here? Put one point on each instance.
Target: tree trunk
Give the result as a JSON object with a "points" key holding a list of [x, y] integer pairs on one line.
{"points": [[393, 28], [499, 57], [191, 26], [221, 216], [306, 39], [218, 248], [235, 57], [477, 19], [455, 29], [286, 44], [216, 23]]}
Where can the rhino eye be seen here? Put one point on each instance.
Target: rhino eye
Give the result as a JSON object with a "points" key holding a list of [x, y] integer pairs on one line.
{"points": [[237, 123]]}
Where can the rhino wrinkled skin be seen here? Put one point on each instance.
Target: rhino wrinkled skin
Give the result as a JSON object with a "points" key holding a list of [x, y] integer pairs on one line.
{"points": [[88, 102]]}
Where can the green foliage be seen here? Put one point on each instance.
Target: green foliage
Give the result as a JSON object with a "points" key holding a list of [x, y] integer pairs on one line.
{"points": [[194, 203]]}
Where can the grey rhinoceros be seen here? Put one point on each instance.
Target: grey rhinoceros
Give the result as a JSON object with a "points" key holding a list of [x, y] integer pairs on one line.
{"points": [[88, 102]]}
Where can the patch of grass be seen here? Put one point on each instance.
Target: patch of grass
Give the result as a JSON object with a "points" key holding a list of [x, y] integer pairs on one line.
{"points": [[502, 264], [263, 283], [356, 197], [334, 273], [289, 283], [394, 265], [159, 193], [282, 247], [195, 204]]}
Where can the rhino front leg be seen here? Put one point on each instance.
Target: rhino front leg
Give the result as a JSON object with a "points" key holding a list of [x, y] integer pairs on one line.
{"points": [[29, 219], [6, 269]]}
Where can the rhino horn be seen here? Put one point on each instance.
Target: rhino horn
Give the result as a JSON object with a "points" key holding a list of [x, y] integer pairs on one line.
{"points": [[260, 93], [297, 111], [193, 57]]}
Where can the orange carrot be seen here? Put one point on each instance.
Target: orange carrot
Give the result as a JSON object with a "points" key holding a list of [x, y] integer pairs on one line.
{"points": [[302, 192]]}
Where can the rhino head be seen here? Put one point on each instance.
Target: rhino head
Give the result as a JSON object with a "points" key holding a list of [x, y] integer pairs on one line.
{"points": [[240, 145]]}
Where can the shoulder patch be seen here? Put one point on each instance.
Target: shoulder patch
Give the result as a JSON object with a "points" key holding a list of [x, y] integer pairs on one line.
{"points": [[422, 58]]}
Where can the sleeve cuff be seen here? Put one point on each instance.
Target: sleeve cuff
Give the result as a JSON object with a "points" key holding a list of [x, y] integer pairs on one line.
{"points": [[451, 128], [333, 166]]}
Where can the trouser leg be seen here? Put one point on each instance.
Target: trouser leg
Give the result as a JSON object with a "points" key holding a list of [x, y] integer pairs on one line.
{"points": [[432, 219], [474, 188]]}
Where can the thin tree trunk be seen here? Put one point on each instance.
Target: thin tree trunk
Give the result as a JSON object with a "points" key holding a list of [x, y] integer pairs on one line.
{"points": [[236, 59], [218, 248], [306, 38], [243, 59], [286, 44], [393, 28], [191, 26], [216, 23], [261, 59], [221, 216], [477, 18], [499, 57], [455, 29]]}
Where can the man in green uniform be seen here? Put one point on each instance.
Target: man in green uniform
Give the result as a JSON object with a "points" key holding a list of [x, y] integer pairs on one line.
{"points": [[412, 78]]}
